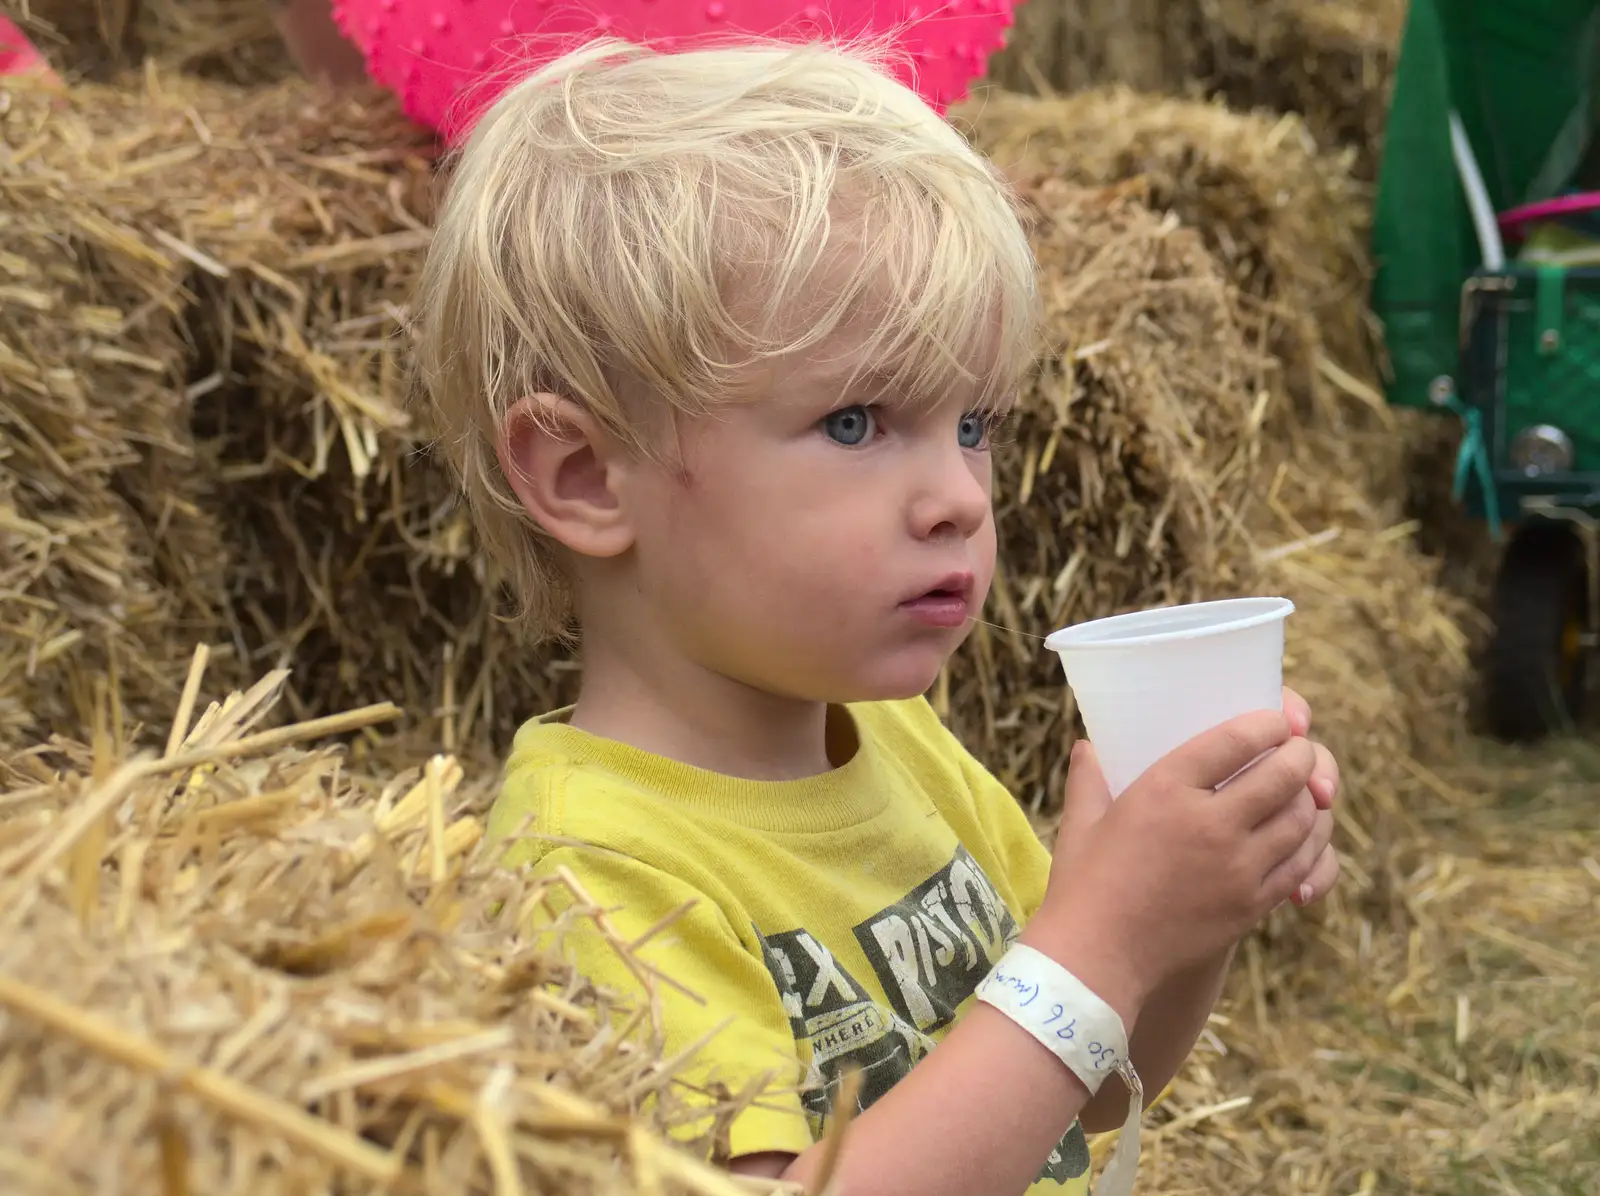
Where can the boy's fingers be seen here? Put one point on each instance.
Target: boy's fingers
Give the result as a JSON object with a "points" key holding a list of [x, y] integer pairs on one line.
{"points": [[1220, 754], [1273, 785], [1294, 841], [1324, 875], [1088, 796], [1297, 711], [1324, 783]]}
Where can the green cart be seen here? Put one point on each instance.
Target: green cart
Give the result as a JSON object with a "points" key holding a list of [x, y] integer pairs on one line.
{"points": [[1487, 239]]}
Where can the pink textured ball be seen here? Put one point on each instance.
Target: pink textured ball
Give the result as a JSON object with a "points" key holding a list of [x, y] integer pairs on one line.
{"points": [[449, 59], [19, 56]]}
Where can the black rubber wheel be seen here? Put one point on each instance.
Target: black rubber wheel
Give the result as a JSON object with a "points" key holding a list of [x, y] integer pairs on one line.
{"points": [[1536, 668]]}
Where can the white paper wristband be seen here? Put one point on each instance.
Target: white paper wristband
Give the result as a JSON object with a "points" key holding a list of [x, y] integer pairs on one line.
{"points": [[1074, 1024], [1059, 1010]]}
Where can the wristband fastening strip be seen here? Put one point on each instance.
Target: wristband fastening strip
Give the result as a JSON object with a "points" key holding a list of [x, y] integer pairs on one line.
{"points": [[1064, 1014]]}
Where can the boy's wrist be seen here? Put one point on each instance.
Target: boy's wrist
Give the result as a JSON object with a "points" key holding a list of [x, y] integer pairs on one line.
{"points": [[1086, 951]]}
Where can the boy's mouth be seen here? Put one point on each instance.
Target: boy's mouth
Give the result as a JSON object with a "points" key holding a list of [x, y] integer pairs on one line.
{"points": [[947, 604]]}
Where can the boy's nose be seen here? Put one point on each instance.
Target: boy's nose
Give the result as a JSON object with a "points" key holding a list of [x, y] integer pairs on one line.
{"points": [[953, 502]]}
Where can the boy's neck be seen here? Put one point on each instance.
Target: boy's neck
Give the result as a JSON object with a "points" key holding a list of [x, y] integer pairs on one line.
{"points": [[708, 721]]}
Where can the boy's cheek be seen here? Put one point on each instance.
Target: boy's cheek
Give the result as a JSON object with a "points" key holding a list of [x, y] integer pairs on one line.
{"points": [[984, 551]]}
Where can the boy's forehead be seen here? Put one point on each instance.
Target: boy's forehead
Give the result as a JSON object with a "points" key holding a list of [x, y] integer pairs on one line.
{"points": [[829, 309], [860, 360], [839, 359], [809, 278]]}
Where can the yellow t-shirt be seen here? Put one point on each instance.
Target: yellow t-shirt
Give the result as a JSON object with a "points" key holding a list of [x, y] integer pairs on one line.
{"points": [[841, 919]]}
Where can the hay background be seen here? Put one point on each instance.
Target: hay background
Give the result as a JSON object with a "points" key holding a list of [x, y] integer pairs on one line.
{"points": [[252, 345], [233, 41], [289, 974], [1330, 62], [221, 451]]}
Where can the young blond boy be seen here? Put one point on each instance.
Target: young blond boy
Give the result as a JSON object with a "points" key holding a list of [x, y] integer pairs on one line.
{"points": [[717, 341]]}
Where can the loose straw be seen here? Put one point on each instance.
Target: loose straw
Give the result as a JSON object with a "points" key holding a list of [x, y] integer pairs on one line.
{"points": [[845, 1103], [223, 1092]]}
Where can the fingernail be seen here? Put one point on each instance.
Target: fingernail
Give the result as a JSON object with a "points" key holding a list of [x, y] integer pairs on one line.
{"points": [[1303, 897]]}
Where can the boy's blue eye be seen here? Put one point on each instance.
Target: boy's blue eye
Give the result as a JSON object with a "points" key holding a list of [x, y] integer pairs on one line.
{"points": [[849, 425], [974, 430]]}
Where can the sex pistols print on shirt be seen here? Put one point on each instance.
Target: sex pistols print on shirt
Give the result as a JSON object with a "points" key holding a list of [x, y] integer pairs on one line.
{"points": [[928, 952]]}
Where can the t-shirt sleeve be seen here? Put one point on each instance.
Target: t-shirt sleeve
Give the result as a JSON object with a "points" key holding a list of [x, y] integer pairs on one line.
{"points": [[713, 994]]}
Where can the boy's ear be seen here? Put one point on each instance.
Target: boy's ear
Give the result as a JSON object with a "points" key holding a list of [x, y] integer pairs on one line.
{"points": [[565, 469]]}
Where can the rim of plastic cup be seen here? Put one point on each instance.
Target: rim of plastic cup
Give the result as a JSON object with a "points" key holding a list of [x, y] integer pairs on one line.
{"points": [[1117, 630]]}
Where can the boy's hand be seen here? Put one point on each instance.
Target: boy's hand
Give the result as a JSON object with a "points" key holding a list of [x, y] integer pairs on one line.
{"points": [[1324, 787], [1176, 870]]}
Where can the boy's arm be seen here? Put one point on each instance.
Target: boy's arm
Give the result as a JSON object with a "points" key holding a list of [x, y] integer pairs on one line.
{"points": [[1175, 1012], [1170, 1023], [979, 1115]]}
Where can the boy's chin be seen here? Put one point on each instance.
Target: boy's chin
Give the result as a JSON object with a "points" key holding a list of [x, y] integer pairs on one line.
{"points": [[905, 679], [889, 675]]}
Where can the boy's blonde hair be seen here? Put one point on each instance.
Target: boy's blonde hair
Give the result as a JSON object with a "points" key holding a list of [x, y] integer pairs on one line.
{"points": [[623, 222]]}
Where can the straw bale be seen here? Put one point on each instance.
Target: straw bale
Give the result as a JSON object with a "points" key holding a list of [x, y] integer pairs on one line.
{"points": [[250, 963], [1379, 644], [1331, 63], [1065, 46], [1288, 223], [108, 558], [252, 250], [232, 40]]}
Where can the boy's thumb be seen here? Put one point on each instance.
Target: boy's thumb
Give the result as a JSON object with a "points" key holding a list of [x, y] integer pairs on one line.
{"points": [[1088, 796]]}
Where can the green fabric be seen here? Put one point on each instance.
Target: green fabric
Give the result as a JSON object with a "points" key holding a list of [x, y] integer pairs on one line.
{"points": [[1422, 236], [1519, 75]]}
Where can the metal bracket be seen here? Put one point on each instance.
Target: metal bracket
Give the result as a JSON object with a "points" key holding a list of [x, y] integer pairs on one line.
{"points": [[1468, 313]]}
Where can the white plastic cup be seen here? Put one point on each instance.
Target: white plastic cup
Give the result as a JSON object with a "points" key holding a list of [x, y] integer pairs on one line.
{"points": [[1150, 681]]}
